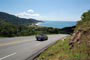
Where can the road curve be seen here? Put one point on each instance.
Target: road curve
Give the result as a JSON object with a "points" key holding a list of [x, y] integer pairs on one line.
{"points": [[20, 48]]}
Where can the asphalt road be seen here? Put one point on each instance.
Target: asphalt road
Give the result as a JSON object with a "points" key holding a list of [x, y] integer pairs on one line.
{"points": [[20, 48]]}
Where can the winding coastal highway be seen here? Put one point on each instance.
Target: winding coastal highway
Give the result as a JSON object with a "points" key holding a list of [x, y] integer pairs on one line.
{"points": [[21, 48]]}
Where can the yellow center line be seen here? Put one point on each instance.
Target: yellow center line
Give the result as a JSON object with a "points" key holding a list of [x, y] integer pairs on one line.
{"points": [[14, 42]]}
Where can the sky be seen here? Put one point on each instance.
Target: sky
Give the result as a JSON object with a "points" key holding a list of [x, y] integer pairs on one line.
{"points": [[51, 10]]}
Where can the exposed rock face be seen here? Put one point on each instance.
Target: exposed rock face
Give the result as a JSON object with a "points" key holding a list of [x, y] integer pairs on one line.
{"points": [[77, 38]]}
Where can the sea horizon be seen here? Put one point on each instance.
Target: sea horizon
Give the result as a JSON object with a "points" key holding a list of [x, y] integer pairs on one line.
{"points": [[57, 24]]}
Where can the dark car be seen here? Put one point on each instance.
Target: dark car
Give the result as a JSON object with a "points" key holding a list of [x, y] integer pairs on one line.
{"points": [[41, 37]]}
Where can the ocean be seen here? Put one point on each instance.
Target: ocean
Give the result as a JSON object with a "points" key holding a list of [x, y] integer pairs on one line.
{"points": [[57, 24]]}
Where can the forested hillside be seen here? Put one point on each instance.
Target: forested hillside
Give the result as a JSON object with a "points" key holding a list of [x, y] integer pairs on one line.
{"points": [[16, 20], [84, 23], [10, 30]]}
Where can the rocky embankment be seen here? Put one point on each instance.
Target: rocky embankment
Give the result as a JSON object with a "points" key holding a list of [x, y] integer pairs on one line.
{"points": [[81, 38]]}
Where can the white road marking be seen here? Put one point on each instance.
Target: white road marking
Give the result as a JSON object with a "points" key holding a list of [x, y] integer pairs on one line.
{"points": [[7, 56]]}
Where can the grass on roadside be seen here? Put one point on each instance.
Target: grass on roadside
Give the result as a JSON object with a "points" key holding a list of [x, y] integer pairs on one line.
{"points": [[61, 51]]}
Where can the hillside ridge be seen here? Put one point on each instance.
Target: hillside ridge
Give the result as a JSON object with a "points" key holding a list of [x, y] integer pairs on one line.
{"points": [[17, 20]]}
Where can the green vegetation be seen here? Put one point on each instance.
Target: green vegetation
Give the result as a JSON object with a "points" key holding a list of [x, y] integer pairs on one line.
{"points": [[84, 23], [68, 30], [11, 26], [9, 30], [61, 51], [16, 20], [81, 48]]}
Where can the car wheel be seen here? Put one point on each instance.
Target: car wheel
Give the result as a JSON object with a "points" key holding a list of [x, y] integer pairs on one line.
{"points": [[37, 38]]}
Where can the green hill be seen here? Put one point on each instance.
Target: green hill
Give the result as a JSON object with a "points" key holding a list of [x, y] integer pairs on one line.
{"points": [[8, 29], [16, 20], [84, 23]]}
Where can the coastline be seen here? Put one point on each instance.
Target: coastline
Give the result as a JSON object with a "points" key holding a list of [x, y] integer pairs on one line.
{"points": [[38, 23], [56, 24]]}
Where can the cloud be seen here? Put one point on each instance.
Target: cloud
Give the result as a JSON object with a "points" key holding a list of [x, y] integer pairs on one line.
{"points": [[30, 14], [30, 11]]}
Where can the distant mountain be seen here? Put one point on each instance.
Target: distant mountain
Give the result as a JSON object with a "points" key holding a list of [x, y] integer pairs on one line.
{"points": [[16, 20]]}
